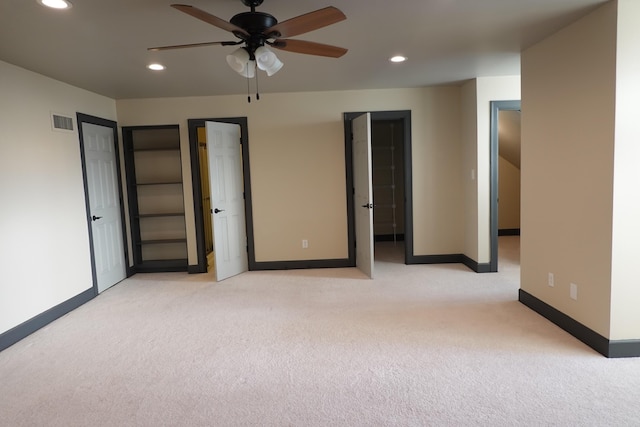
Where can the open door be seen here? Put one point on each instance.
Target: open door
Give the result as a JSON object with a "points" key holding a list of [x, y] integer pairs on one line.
{"points": [[227, 199], [104, 209], [363, 193]]}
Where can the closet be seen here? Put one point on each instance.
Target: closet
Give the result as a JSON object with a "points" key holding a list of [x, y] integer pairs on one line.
{"points": [[387, 143], [156, 200]]}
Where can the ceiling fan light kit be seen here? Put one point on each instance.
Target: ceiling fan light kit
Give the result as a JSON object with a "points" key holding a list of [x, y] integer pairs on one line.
{"points": [[257, 30], [267, 61], [240, 61]]}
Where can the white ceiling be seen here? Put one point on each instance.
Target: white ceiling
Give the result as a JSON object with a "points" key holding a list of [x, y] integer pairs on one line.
{"points": [[101, 45]]}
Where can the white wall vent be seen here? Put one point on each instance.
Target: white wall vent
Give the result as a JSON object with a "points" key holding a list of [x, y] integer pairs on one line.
{"points": [[62, 123]]}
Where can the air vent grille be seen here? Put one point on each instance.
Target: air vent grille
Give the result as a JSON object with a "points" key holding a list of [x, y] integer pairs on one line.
{"points": [[61, 122]]}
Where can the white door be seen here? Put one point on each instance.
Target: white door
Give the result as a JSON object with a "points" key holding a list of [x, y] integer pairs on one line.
{"points": [[104, 204], [227, 199], [363, 192]]}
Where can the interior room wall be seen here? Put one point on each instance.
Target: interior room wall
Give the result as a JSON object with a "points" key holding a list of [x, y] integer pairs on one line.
{"points": [[297, 159], [509, 169], [625, 292], [469, 101], [44, 240], [508, 195], [476, 158], [568, 128]]}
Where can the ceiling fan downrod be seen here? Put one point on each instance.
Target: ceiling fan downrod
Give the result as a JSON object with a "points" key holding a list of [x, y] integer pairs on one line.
{"points": [[252, 4]]}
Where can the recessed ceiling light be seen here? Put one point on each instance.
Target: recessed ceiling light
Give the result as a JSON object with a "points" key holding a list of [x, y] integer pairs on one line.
{"points": [[156, 67], [56, 4], [398, 58]]}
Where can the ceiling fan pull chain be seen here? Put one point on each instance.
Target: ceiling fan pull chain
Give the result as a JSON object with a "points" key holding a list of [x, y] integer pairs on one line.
{"points": [[248, 89], [257, 93]]}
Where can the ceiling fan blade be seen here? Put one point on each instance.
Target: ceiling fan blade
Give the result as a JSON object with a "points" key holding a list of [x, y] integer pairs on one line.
{"points": [[309, 48], [306, 23], [209, 18], [181, 46]]}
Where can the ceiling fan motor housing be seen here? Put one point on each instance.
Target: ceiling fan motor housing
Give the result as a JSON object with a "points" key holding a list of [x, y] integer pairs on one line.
{"points": [[254, 22]]}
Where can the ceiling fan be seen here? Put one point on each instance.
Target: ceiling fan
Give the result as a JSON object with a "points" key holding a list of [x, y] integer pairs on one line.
{"points": [[257, 29]]}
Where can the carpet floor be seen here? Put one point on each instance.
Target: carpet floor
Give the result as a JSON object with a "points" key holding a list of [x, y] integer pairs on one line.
{"points": [[421, 345]]}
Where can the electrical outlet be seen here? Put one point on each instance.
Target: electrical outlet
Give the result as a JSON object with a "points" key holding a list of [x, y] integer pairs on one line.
{"points": [[305, 243], [551, 280], [573, 291]]}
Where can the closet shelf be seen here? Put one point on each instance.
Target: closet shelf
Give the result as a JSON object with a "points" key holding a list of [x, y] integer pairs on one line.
{"points": [[160, 241], [138, 150], [152, 265], [160, 183], [160, 215]]}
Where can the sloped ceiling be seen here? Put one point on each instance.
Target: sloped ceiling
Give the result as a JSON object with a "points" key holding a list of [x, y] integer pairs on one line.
{"points": [[509, 136]]}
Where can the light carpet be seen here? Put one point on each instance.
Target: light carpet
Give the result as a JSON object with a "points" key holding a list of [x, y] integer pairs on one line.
{"points": [[421, 345]]}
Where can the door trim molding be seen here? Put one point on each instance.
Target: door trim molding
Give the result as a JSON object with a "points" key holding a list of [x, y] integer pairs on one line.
{"points": [[405, 116], [193, 125], [85, 118], [496, 107]]}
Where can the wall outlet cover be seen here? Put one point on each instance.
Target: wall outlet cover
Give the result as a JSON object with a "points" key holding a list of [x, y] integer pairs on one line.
{"points": [[573, 291]]}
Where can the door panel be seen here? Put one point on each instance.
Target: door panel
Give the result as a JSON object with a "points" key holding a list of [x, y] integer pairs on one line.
{"points": [[104, 204], [227, 199], [363, 193]]}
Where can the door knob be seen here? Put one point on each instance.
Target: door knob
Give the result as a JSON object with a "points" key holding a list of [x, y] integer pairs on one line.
{"points": [[94, 218], [368, 206], [216, 210]]}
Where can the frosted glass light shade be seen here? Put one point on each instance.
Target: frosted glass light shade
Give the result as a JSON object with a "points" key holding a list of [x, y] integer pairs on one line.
{"points": [[239, 62], [268, 61]]}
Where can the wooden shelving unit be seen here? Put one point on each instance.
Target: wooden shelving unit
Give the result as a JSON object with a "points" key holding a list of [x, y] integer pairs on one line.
{"points": [[156, 201], [388, 188]]}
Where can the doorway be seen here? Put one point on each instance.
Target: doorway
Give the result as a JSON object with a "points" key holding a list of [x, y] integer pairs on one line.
{"points": [[201, 191], [103, 197], [391, 181], [505, 173]]}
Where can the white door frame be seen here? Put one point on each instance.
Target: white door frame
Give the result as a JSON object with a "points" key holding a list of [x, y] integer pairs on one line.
{"points": [[84, 118]]}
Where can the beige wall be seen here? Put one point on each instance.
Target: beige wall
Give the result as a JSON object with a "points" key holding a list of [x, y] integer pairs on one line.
{"points": [[297, 166], [470, 167], [476, 100], [44, 240], [508, 195], [568, 125], [297, 159], [625, 291]]}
